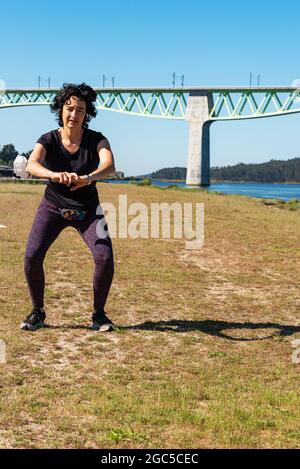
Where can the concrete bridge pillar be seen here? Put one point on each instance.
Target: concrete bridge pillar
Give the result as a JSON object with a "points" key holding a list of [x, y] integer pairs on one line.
{"points": [[197, 115]]}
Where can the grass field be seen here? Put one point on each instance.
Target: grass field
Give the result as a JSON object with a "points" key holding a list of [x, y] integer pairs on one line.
{"points": [[202, 357]]}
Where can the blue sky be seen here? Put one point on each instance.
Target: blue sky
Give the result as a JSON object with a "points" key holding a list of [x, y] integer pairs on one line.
{"points": [[141, 43]]}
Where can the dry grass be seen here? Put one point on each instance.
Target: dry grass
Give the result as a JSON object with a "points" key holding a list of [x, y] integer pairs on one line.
{"points": [[203, 354]]}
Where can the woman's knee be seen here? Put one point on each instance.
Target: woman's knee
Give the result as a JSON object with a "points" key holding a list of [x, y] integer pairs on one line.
{"points": [[104, 256], [33, 258]]}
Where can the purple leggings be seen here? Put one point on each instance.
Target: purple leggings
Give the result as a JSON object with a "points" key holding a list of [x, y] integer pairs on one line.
{"points": [[47, 225]]}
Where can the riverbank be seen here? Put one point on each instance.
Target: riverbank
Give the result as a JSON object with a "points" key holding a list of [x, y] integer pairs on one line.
{"points": [[217, 181], [270, 191], [286, 192]]}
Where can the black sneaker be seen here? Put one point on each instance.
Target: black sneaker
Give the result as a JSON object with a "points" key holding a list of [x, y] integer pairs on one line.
{"points": [[101, 323], [34, 320]]}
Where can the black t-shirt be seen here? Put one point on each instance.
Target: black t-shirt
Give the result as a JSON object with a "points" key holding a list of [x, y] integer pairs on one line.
{"points": [[84, 161]]}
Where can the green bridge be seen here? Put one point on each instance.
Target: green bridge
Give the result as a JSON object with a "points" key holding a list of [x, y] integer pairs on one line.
{"points": [[200, 107]]}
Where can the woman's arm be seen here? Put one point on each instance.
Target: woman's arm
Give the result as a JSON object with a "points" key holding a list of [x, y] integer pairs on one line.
{"points": [[35, 163], [106, 166], [36, 168], [107, 163]]}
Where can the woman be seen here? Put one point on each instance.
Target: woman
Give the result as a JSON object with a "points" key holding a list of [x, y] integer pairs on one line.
{"points": [[72, 157]]}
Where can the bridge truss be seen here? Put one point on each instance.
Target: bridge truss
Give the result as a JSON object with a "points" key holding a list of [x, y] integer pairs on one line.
{"points": [[171, 103]]}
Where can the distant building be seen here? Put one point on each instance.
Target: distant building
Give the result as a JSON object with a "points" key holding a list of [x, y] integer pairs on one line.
{"points": [[119, 174]]}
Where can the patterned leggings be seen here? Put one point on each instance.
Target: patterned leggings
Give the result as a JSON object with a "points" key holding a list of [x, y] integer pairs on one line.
{"points": [[47, 225]]}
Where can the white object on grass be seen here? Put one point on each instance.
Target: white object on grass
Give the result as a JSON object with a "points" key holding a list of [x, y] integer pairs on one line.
{"points": [[20, 163]]}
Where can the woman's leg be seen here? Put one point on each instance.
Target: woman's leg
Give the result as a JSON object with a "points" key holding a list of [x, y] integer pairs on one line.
{"points": [[103, 257], [47, 225]]}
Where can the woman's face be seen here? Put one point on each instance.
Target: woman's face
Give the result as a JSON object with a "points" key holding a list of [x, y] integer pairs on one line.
{"points": [[74, 112]]}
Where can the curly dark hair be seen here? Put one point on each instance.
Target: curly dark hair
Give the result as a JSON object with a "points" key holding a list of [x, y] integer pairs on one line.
{"points": [[82, 91]]}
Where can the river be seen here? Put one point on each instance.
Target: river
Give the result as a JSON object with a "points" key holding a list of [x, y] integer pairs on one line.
{"points": [[252, 189]]}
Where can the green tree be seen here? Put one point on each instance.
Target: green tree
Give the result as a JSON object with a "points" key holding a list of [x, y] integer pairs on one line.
{"points": [[27, 154], [8, 154]]}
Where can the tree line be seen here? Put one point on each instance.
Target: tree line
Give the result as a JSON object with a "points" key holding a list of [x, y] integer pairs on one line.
{"points": [[272, 171], [8, 153]]}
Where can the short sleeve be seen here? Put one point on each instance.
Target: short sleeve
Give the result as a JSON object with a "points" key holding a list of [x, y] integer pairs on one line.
{"points": [[103, 141], [99, 137], [45, 140]]}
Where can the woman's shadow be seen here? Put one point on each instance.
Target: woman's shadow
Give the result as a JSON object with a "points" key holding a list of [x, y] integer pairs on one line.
{"points": [[218, 328], [212, 327]]}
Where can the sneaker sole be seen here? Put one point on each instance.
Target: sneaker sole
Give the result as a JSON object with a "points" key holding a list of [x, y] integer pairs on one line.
{"points": [[28, 327], [102, 328]]}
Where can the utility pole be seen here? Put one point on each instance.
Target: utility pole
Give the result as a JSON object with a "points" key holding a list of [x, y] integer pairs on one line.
{"points": [[181, 77], [39, 81], [112, 79]]}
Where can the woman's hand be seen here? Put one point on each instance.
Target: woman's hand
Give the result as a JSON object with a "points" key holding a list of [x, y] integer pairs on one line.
{"points": [[65, 178], [80, 182]]}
